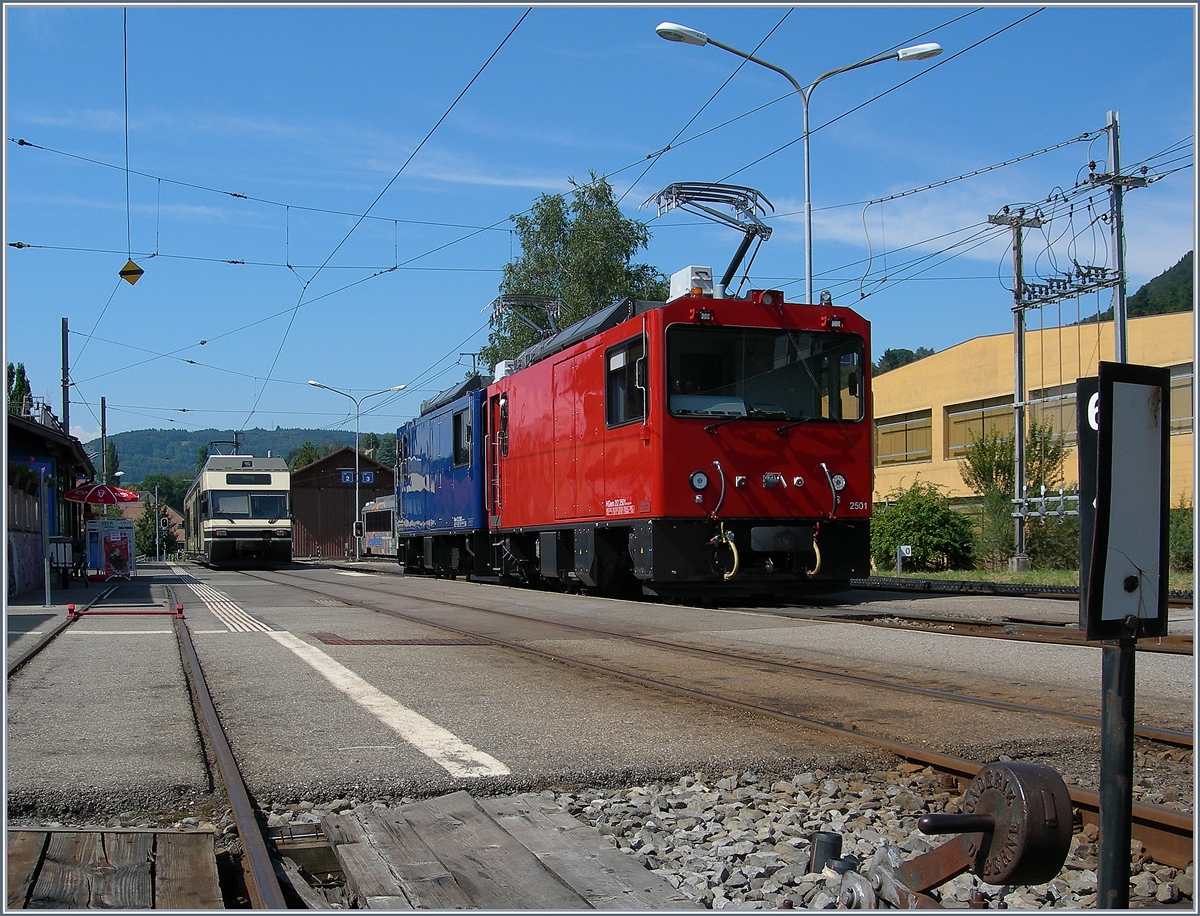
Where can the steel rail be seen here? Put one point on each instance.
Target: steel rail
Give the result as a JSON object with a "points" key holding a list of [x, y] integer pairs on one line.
{"points": [[24, 657], [1167, 834], [1176, 599], [1006, 628], [262, 870], [1169, 736]]}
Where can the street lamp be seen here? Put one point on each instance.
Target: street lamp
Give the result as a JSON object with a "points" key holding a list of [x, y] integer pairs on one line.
{"points": [[674, 32], [357, 406]]}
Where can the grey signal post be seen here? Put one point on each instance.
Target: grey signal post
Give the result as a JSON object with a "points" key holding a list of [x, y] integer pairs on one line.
{"points": [[1127, 581]]}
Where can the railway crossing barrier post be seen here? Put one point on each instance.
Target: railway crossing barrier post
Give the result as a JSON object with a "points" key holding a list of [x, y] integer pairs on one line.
{"points": [[1126, 575]]}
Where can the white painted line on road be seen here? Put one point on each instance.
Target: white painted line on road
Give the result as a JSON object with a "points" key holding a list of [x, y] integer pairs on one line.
{"points": [[349, 572], [211, 632], [226, 610], [77, 632], [444, 748]]}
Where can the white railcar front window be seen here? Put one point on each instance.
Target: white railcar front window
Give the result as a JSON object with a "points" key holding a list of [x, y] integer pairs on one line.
{"points": [[231, 504]]}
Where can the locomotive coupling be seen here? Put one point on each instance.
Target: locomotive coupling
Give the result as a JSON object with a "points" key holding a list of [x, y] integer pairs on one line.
{"points": [[1015, 829]]}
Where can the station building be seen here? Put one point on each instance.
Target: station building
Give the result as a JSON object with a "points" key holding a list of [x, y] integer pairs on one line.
{"points": [[927, 412], [323, 509]]}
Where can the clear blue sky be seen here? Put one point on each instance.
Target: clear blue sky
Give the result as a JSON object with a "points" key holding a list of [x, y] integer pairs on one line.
{"points": [[310, 109]]}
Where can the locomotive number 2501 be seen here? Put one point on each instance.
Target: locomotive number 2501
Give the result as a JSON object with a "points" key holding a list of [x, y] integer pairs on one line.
{"points": [[857, 505]]}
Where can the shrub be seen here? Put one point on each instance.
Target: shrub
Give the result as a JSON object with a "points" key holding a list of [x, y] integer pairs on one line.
{"points": [[1052, 544], [1180, 536], [921, 517]]}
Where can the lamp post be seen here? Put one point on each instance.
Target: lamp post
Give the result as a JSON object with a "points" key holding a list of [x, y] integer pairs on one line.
{"points": [[357, 406], [674, 32]]}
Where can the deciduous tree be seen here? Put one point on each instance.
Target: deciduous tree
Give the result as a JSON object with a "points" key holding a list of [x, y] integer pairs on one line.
{"points": [[579, 252]]}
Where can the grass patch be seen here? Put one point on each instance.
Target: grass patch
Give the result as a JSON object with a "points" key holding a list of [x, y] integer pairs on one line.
{"points": [[1180, 580]]}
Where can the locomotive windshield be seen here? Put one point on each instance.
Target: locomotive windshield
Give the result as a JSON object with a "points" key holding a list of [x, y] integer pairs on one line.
{"points": [[764, 373], [232, 504]]}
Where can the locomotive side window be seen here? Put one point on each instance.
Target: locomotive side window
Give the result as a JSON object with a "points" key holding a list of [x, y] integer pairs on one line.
{"points": [[462, 438], [764, 373], [625, 382]]}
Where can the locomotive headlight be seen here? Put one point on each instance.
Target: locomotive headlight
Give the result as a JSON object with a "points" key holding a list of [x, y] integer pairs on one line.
{"points": [[839, 482], [698, 480]]}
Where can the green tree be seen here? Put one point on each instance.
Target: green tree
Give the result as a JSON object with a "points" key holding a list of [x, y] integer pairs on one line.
{"points": [[307, 453], [580, 253], [18, 388], [144, 532], [988, 468], [922, 518], [385, 452], [201, 457], [895, 358], [171, 490], [112, 462]]}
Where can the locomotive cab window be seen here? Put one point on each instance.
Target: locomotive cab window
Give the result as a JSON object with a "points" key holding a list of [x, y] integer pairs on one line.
{"points": [[625, 382], [233, 504], [761, 373], [462, 438]]}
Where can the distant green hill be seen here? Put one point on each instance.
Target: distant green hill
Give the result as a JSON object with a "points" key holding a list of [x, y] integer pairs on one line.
{"points": [[1171, 291], [171, 451]]}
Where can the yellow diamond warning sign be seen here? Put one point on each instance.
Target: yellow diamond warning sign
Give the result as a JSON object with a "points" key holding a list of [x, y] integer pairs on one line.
{"points": [[131, 272]]}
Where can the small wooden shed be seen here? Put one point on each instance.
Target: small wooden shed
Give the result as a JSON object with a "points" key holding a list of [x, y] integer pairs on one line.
{"points": [[322, 500]]}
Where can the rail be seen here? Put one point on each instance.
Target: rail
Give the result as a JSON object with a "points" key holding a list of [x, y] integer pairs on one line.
{"points": [[1166, 834]]}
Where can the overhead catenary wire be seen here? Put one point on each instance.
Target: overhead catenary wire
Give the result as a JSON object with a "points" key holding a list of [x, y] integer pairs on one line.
{"points": [[358, 222]]}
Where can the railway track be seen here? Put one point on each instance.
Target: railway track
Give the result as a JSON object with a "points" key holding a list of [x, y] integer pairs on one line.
{"points": [[262, 884], [1176, 599], [1167, 833]]}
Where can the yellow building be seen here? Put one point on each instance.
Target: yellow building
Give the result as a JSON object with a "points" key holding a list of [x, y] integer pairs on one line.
{"points": [[927, 411]]}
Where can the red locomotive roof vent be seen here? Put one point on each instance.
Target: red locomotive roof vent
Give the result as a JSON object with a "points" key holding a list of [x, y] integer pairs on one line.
{"points": [[772, 298]]}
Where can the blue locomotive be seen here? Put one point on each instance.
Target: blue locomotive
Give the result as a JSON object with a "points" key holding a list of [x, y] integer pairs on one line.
{"points": [[441, 517]]}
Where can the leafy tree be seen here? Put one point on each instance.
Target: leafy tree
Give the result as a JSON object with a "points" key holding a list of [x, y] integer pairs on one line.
{"points": [[18, 388], [988, 468], [308, 453], [579, 252], [1180, 536], [385, 452], [112, 462], [171, 490], [201, 457], [922, 518], [895, 358], [144, 532]]}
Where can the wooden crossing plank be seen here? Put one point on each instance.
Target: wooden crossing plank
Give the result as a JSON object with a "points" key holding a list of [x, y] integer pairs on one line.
{"points": [[606, 877], [426, 881], [96, 871], [185, 872], [24, 850], [367, 872], [303, 889], [495, 869]]}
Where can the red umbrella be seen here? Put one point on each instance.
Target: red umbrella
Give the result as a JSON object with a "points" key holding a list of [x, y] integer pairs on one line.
{"points": [[101, 494]]}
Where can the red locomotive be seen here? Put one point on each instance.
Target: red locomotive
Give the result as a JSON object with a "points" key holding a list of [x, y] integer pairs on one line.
{"points": [[699, 447]]}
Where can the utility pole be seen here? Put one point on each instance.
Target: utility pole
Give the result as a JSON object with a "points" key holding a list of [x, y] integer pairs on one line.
{"points": [[157, 527], [66, 383], [103, 442], [1116, 196], [1018, 221]]}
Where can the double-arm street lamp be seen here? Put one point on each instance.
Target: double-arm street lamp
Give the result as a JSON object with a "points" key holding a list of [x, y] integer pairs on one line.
{"points": [[357, 407], [673, 32]]}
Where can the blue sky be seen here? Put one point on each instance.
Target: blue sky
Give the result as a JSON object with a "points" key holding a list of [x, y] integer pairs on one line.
{"points": [[318, 108]]}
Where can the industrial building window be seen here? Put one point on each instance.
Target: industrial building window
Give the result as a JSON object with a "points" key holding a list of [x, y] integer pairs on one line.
{"points": [[462, 437], [625, 383], [965, 422], [905, 438], [1055, 405], [1181, 398]]}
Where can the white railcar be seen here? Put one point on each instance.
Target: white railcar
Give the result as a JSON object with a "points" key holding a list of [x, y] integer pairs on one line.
{"points": [[237, 512]]}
